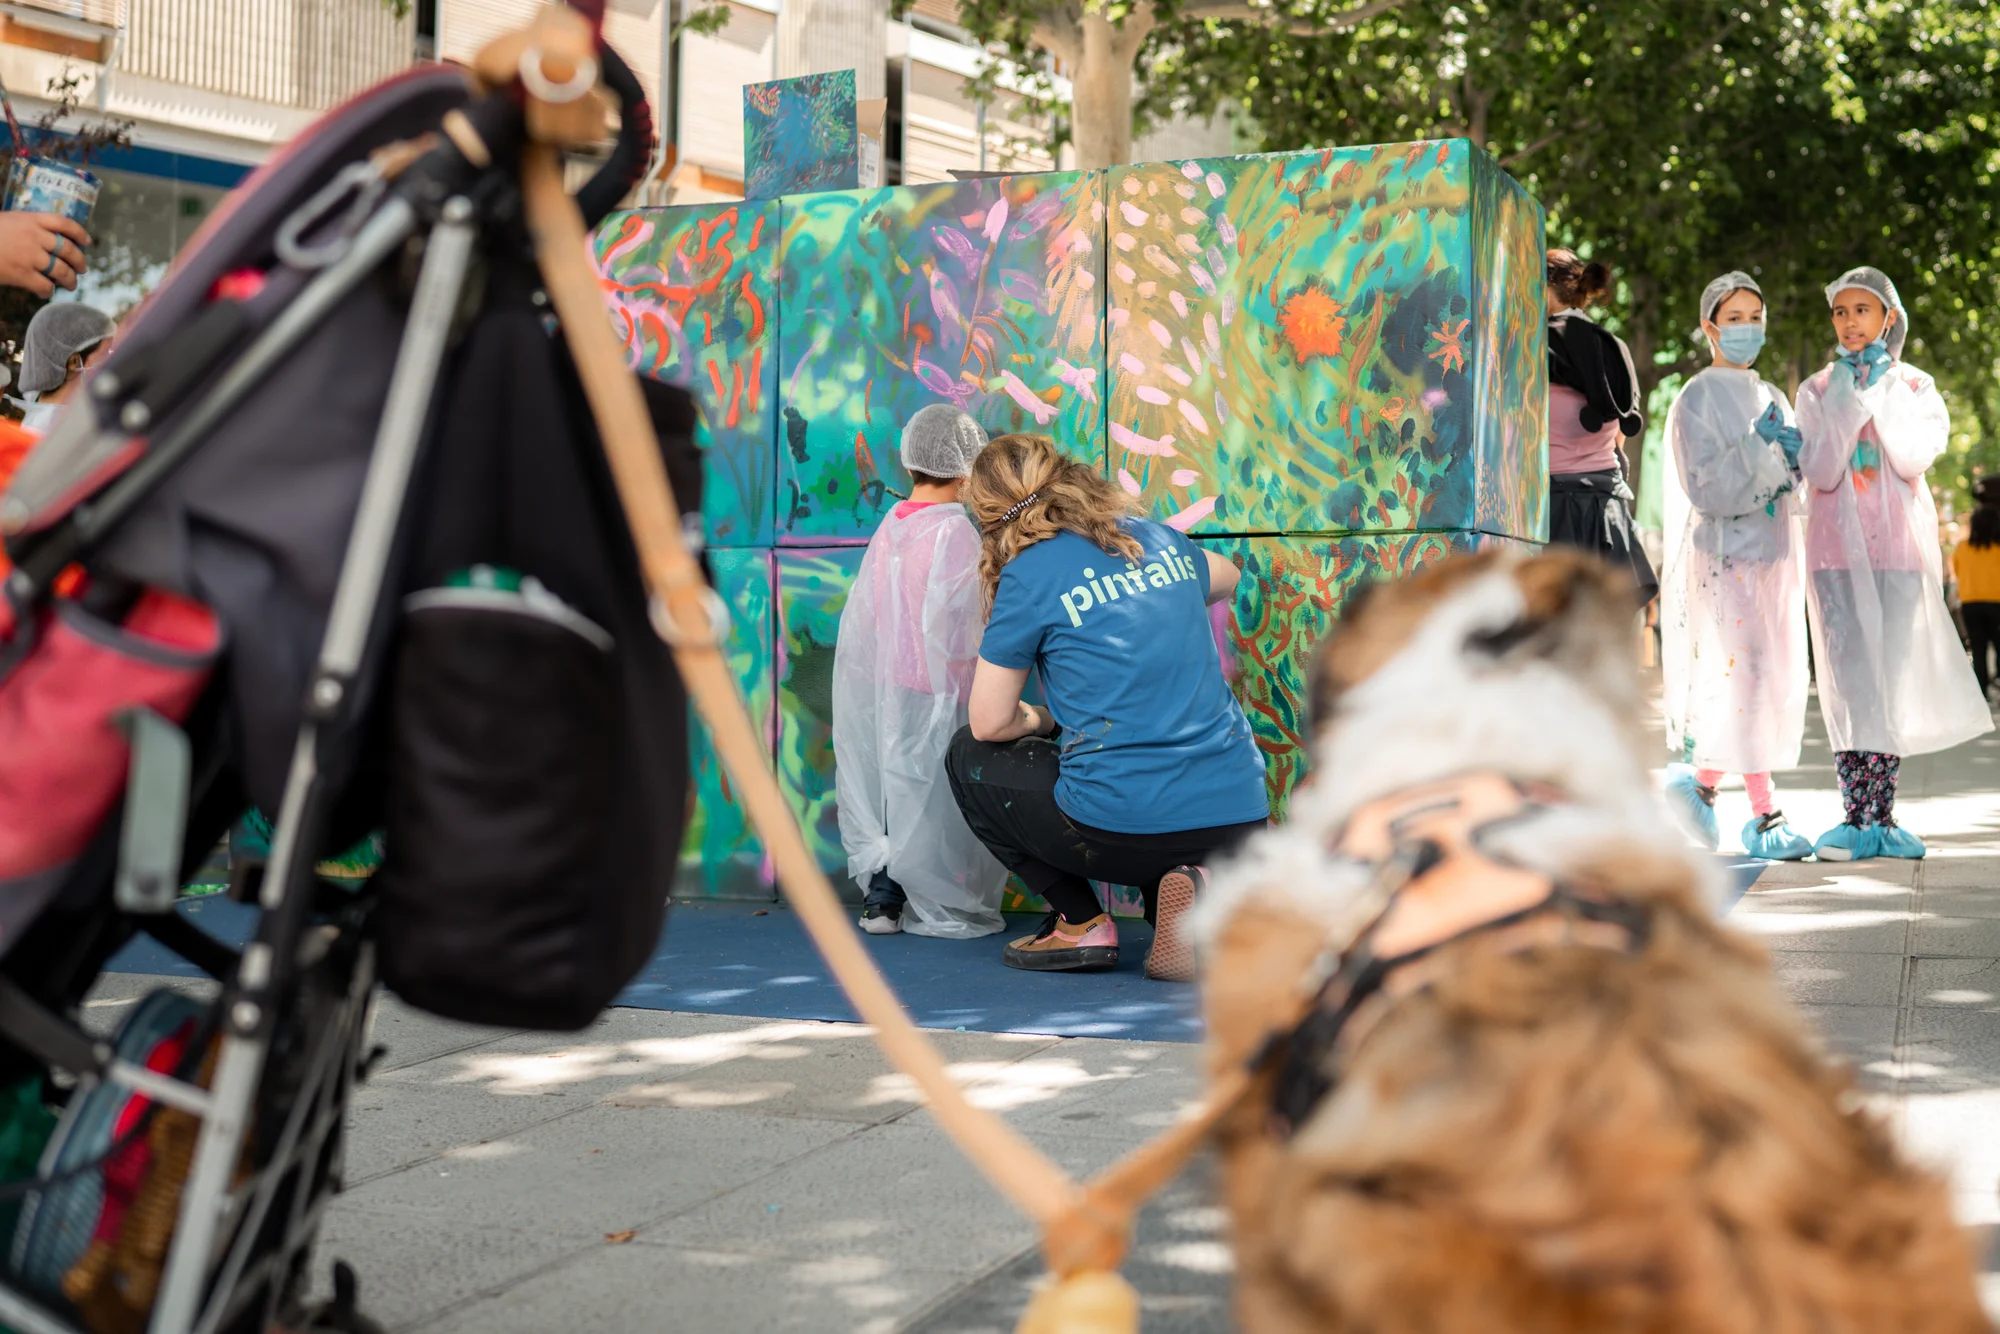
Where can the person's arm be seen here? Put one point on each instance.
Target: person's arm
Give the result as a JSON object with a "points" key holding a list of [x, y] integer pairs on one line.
{"points": [[997, 710], [1222, 577], [1625, 395], [1913, 422], [1829, 419], [1727, 468], [40, 252]]}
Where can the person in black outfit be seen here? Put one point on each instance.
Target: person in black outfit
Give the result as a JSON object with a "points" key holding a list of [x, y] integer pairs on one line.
{"points": [[1593, 402]]}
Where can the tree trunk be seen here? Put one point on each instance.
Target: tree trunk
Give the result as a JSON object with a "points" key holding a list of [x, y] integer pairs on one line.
{"points": [[1101, 85]]}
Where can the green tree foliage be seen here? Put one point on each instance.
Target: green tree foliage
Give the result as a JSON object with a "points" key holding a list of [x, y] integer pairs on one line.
{"points": [[1097, 43], [1677, 139]]}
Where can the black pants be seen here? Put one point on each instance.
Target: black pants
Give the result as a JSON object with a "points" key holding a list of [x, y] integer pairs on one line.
{"points": [[1588, 510], [1982, 627], [1007, 792]]}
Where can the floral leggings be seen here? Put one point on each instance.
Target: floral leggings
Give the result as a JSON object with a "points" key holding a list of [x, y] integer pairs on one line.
{"points": [[1867, 785]]}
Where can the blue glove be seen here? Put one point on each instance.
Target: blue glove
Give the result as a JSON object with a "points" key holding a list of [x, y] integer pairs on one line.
{"points": [[1868, 364], [1791, 442], [1771, 424]]}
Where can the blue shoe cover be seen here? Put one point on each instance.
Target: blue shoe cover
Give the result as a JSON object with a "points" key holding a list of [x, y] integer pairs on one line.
{"points": [[1769, 837], [1849, 843], [1693, 805], [1900, 842]]}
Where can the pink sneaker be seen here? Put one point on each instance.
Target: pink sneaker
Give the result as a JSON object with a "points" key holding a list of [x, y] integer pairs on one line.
{"points": [[1062, 947]]}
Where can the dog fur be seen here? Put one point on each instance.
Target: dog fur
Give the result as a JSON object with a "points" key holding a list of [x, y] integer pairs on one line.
{"points": [[1564, 1138]]}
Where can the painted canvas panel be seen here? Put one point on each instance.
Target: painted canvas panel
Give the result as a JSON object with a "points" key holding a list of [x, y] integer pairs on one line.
{"points": [[986, 294], [1292, 338], [812, 592], [1291, 591], [1510, 434], [721, 858], [692, 292], [799, 135]]}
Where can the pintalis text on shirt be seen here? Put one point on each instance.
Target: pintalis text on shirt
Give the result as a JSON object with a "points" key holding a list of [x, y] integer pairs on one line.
{"points": [[1168, 568]]}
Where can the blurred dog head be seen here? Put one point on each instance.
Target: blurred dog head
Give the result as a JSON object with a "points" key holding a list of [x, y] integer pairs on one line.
{"points": [[1544, 1131]]}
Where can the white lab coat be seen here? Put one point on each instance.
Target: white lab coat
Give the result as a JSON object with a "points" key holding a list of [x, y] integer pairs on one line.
{"points": [[902, 679], [1732, 609], [1893, 676]]}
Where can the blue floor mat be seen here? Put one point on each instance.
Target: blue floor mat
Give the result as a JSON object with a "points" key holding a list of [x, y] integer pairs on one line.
{"points": [[747, 959], [743, 959]]}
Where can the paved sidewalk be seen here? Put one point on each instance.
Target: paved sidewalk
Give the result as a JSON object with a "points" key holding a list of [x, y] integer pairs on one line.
{"points": [[693, 1172]]}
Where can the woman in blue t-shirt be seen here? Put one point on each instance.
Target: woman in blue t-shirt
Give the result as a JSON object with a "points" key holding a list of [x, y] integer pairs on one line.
{"points": [[1155, 768]]}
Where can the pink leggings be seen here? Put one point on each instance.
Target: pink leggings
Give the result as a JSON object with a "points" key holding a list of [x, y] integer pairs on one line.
{"points": [[1758, 786]]}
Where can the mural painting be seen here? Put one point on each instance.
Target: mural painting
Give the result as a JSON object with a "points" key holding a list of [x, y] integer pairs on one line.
{"points": [[721, 857], [987, 294], [692, 292], [812, 592], [1295, 344], [800, 135]]}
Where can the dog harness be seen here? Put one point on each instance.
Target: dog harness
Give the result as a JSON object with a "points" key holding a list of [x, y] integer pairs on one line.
{"points": [[1437, 881]]}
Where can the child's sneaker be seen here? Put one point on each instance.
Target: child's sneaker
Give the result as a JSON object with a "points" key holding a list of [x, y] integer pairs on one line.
{"points": [[1063, 947], [882, 919], [882, 909], [1849, 843], [1171, 958]]}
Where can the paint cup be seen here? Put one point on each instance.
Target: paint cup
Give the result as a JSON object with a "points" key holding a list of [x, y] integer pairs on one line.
{"points": [[42, 185]]}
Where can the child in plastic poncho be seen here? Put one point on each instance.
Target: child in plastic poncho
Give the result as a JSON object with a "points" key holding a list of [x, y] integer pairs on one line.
{"points": [[1893, 678], [902, 671], [1732, 607]]}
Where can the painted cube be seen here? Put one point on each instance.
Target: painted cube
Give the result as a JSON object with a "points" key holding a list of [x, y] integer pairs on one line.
{"points": [[811, 594], [1329, 342], [692, 291], [721, 856], [987, 294]]}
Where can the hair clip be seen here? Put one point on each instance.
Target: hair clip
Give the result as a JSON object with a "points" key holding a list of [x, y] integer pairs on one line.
{"points": [[1020, 505]]}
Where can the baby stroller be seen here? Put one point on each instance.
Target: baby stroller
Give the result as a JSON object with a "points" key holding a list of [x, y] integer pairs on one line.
{"points": [[331, 535]]}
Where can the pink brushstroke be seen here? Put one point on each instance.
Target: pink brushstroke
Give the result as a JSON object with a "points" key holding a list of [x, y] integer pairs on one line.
{"points": [[1193, 514], [1152, 395], [1194, 417], [1185, 477], [1133, 213], [1129, 482], [1127, 438], [996, 219], [1159, 332], [1042, 412], [1131, 363], [1083, 379], [1191, 170]]}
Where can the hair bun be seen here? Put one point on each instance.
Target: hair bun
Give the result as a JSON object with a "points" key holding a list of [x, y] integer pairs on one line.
{"points": [[1595, 279]]}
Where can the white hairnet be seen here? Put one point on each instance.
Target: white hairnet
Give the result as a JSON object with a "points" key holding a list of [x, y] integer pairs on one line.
{"points": [[59, 331], [1716, 292], [940, 441], [1874, 280]]}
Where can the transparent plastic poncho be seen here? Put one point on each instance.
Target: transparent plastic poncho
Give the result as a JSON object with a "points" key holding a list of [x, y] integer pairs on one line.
{"points": [[902, 676], [1892, 674], [1732, 610]]}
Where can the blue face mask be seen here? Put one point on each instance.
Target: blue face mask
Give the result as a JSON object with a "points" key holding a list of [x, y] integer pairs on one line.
{"points": [[1740, 343]]}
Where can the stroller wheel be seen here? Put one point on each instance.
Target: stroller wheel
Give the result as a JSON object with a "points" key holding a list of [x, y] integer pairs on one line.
{"points": [[339, 1315]]}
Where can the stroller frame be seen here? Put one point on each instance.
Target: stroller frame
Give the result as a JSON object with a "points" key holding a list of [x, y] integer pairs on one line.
{"points": [[269, 1217]]}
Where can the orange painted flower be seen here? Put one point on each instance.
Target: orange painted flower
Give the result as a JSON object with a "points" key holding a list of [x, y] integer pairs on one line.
{"points": [[1312, 323], [1450, 351]]}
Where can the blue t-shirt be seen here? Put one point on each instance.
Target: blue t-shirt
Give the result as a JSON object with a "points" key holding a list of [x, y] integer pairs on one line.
{"points": [[1152, 740]]}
